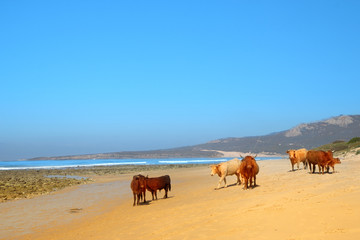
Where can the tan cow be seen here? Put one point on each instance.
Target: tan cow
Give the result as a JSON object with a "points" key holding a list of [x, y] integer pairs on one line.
{"points": [[297, 156], [226, 169]]}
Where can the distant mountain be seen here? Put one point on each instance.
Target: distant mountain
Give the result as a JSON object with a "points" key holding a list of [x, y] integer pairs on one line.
{"points": [[308, 136], [305, 135]]}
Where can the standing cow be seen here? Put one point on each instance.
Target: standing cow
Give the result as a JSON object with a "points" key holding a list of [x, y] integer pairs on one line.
{"points": [[138, 187], [332, 164], [248, 170], [320, 158], [297, 156], [226, 169], [158, 183]]}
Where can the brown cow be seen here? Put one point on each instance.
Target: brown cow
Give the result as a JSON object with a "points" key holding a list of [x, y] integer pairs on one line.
{"points": [[297, 156], [320, 158], [332, 164], [248, 170], [158, 183], [138, 187]]}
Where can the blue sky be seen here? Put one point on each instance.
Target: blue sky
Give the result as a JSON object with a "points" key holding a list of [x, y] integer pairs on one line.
{"points": [[104, 76]]}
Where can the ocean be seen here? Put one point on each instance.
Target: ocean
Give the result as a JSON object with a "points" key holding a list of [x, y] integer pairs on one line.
{"points": [[53, 164]]}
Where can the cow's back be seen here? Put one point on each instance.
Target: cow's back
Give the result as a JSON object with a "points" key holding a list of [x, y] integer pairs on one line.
{"points": [[158, 182], [301, 154], [230, 167]]}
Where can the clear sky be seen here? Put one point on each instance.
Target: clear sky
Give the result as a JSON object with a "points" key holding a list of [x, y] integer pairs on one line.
{"points": [[104, 76]]}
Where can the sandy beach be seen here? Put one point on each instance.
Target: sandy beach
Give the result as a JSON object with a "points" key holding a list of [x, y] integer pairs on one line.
{"points": [[284, 205]]}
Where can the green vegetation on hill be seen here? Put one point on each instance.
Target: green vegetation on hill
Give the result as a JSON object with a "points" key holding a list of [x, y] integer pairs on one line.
{"points": [[342, 146]]}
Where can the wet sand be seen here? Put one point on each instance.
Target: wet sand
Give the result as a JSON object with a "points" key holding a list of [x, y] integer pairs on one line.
{"points": [[285, 205]]}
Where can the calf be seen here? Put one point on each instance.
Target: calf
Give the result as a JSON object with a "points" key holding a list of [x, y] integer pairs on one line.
{"points": [[138, 187], [158, 183], [226, 169], [332, 164], [248, 170]]}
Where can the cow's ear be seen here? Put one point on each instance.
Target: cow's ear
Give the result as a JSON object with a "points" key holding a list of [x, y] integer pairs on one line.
{"points": [[287, 151]]}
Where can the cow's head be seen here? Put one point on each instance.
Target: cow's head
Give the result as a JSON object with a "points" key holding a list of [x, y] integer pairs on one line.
{"points": [[337, 160], [214, 169], [141, 180], [291, 153]]}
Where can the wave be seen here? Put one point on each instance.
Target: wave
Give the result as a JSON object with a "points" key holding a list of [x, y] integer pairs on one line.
{"points": [[71, 166], [191, 161]]}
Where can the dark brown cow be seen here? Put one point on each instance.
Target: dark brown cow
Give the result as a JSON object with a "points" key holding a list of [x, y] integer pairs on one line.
{"points": [[138, 187], [320, 158], [248, 170], [158, 183]]}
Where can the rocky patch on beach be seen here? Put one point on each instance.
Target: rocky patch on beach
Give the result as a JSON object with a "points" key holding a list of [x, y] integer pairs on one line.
{"points": [[18, 184]]}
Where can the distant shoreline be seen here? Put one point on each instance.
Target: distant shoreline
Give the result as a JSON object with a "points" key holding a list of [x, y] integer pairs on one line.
{"points": [[70, 163]]}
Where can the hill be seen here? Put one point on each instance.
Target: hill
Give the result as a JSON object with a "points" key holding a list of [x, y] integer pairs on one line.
{"points": [[305, 135]]}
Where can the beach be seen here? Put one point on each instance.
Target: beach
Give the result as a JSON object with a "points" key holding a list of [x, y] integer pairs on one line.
{"points": [[285, 205]]}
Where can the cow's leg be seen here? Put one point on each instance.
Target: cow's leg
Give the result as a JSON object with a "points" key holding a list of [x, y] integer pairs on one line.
{"points": [[255, 181], [251, 182], [246, 183], [166, 190], [156, 194], [298, 165], [221, 179], [292, 166], [238, 178], [225, 181], [134, 198], [138, 199], [152, 194], [144, 192]]}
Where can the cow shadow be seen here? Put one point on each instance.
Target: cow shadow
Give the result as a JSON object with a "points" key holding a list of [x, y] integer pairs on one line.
{"points": [[295, 170], [318, 173], [230, 185], [155, 200], [145, 203]]}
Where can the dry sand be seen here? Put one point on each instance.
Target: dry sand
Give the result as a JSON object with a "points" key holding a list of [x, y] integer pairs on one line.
{"points": [[285, 205]]}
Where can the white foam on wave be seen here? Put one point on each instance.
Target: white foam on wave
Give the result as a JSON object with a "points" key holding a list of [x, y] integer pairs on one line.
{"points": [[72, 166], [191, 161]]}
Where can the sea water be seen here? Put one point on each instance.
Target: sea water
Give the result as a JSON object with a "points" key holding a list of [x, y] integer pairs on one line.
{"points": [[53, 164]]}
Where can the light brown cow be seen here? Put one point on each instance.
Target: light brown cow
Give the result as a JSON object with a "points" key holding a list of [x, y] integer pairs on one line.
{"points": [[248, 170], [297, 156], [226, 169]]}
